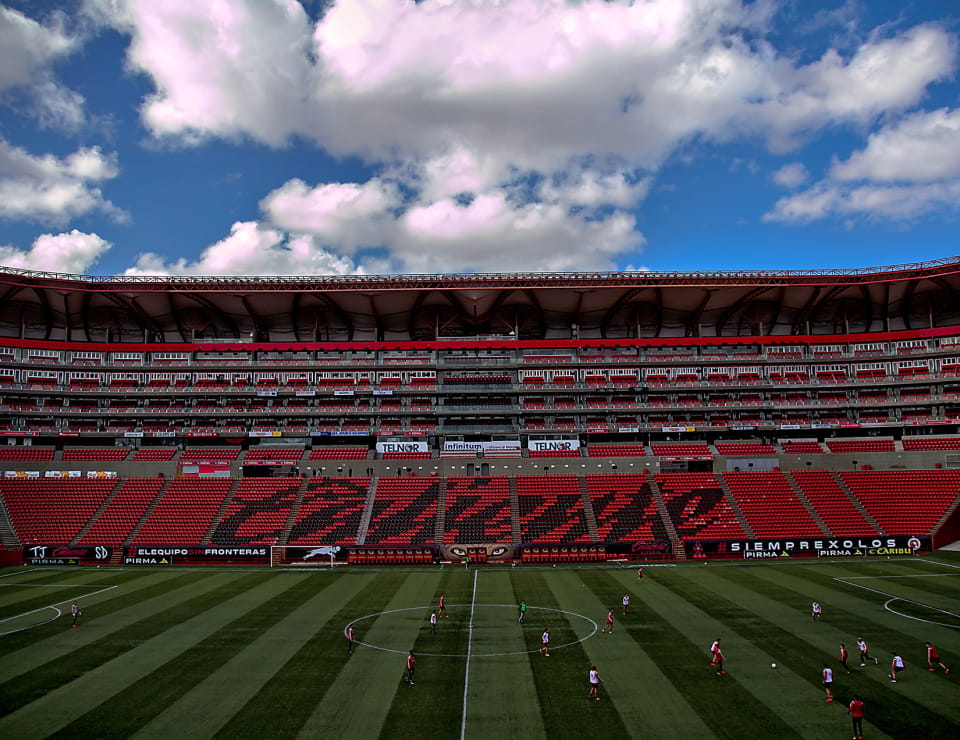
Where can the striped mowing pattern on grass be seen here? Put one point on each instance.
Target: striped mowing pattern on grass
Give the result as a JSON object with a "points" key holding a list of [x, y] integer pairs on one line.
{"points": [[236, 654]]}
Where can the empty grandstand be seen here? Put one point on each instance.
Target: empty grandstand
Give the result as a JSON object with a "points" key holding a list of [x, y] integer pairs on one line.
{"points": [[619, 413]]}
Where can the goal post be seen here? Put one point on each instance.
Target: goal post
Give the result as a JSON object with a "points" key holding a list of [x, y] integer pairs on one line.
{"points": [[324, 556]]}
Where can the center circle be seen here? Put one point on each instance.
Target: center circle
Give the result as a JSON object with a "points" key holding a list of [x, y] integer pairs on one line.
{"points": [[589, 624]]}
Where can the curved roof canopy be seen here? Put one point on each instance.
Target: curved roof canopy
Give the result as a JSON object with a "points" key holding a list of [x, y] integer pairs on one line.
{"points": [[608, 305]]}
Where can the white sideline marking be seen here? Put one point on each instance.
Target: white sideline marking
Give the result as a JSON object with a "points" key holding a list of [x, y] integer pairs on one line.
{"points": [[466, 677], [53, 606]]}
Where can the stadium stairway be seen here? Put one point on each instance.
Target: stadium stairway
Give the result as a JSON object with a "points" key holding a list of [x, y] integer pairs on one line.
{"points": [[857, 503], [221, 512], [294, 511], [8, 535], [679, 551], [514, 511], [367, 514], [802, 498], [441, 520], [148, 512], [735, 507], [947, 514], [588, 514], [96, 515]]}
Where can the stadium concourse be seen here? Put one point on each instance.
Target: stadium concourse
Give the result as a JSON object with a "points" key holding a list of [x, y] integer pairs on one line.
{"points": [[515, 417]]}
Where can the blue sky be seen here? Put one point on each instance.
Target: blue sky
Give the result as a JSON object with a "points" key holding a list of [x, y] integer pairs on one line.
{"points": [[377, 136]]}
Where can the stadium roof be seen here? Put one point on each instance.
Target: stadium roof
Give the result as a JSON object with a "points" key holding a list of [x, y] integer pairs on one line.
{"points": [[604, 305]]}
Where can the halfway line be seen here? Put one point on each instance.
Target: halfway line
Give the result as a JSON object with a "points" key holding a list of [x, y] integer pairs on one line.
{"points": [[466, 676]]}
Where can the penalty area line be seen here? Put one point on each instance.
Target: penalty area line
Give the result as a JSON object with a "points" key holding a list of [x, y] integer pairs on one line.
{"points": [[466, 674], [893, 597]]}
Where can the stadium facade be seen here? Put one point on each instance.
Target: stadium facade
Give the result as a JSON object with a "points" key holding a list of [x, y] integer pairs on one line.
{"points": [[542, 416]]}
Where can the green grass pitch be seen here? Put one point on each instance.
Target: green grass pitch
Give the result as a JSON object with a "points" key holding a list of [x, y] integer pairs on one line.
{"points": [[221, 653]]}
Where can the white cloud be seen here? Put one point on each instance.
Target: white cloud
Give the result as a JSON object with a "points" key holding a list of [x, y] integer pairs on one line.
{"points": [[875, 202], [461, 106], [884, 75], [907, 169], [74, 252], [534, 81], [347, 216], [251, 249], [28, 49], [52, 190], [791, 175], [923, 147]]}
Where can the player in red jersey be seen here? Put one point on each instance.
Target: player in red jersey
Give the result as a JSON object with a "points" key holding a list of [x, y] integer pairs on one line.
{"points": [[595, 682], [718, 659], [608, 627], [350, 639], [442, 607], [843, 658], [640, 575], [934, 657], [411, 668], [714, 649], [855, 710], [827, 681]]}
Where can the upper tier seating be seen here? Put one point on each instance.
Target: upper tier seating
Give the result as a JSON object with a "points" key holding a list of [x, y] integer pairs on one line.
{"points": [[51, 511], [338, 453], [125, 509], [404, 512], [860, 445], [185, 513], [802, 447], [154, 454], [222, 455], [905, 502], [770, 505], [680, 449], [617, 450], [911, 444], [697, 506], [277, 454], [257, 512], [331, 511], [832, 504], [26, 454], [551, 509], [624, 508], [744, 448], [478, 510], [96, 454]]}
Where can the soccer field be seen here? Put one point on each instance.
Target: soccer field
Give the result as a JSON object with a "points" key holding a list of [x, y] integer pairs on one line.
{"points": [[196, 653]]}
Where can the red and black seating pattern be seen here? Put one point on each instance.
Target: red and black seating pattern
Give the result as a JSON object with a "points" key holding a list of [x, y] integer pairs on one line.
{"points": [[624, 508], [257, 512], [551, 509], [404, 512], [478, 510], [331, 512], [697, 507]]}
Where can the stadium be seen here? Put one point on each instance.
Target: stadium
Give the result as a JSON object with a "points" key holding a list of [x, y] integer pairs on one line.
{"points": [[475, 429]]}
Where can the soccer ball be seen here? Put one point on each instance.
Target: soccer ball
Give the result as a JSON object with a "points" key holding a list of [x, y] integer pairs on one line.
{"points": [[773, 665]]}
